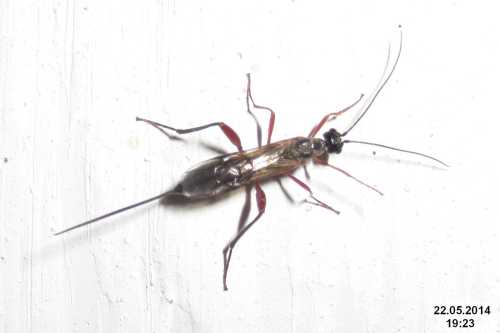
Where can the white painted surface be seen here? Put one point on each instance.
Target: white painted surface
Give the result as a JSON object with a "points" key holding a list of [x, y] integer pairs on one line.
{"points": [[73, 76]]}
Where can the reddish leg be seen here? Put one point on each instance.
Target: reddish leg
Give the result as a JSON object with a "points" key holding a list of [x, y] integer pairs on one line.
{"points": [[285, 191], [347, 174], [316, 201], [272, 117], [228, 131], [331, 116], [227, 252]]}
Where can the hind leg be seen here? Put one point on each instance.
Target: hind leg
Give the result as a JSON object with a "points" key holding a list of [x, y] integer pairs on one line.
{"points": [[227, 252]]}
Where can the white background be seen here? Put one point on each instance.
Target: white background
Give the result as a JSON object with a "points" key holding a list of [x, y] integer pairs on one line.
{"points": [[73, 77]]}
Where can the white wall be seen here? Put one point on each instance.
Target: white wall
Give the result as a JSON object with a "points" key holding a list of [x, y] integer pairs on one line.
{"points": [[73, 77]]}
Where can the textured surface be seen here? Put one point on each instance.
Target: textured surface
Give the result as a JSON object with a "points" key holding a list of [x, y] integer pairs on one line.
{"points": [[75, 74]]}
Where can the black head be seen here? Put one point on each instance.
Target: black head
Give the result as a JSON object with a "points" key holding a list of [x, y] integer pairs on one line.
{"points": [[333, 140]]}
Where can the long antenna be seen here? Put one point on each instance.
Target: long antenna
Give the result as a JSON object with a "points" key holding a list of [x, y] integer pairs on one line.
{"points": [[381, 83], [397, 149], [118, 211]]}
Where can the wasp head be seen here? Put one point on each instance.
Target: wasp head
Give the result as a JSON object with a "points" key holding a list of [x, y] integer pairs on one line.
{"points": [[333, 140]]}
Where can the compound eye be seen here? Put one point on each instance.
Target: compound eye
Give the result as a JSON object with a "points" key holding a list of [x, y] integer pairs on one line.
{"points": [[328, 136]]}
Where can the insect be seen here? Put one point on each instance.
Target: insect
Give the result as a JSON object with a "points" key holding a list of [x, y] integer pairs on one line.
{"points": [[250, 168]]}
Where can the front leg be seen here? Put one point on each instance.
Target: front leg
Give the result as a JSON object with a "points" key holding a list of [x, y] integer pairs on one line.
{"points": [[331, 116]]}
